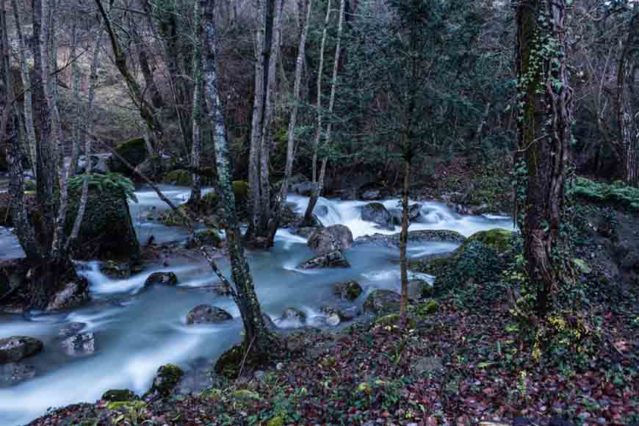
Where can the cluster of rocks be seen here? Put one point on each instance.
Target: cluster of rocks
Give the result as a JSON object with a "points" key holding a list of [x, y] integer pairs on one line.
{"points": [[387, 219]]}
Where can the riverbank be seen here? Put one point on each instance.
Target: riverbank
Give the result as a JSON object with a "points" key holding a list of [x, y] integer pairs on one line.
{"points": [[463, 359]]}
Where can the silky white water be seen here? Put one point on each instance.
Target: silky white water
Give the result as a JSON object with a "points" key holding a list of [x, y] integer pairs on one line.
{"points": [[137, 330]]}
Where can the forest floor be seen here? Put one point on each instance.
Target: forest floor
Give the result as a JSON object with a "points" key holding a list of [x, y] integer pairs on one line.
{"points": [[462, 359]]}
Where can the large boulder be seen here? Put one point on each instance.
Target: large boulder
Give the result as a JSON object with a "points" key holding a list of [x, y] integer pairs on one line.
{"points": [[107, 229], [207, 314], [335, 237], [382, 302], [333, 259], [133, 151], [422, 236], [73, 294], [349, 290], [15, 372], [414, 212], [161, 278], [13, 349], [178, 177], [377, 213]]}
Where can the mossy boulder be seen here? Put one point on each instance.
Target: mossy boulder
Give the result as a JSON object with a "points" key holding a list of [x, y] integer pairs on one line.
{"points": [[165, 381], [391, 320], [427, 308], [480, 259], [240, 189], [107, 229], [114, 395], [178, 177], [133, 151], [498, 239], [382, 302]]}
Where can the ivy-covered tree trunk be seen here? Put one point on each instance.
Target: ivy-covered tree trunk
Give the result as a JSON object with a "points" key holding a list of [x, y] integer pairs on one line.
{"points": [[544, 134], [258, 339], [628, 104]]}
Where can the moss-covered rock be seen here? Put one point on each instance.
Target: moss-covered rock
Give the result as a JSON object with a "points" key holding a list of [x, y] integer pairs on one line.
{"points": [[240, 189], [498, 239], [382, 302], [178, 177], [391, 320], [246, 395], [166, 379], [107, 229], [133, 151], [113, 395], [480, 259]]}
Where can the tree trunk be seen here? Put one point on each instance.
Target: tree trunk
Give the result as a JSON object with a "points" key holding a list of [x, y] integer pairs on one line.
{"points": [[268, 46], [196, 114], [403, 245], [627, 104], [319, 186], [257, 337], [26, 83], [543, 137], [290, 143]]}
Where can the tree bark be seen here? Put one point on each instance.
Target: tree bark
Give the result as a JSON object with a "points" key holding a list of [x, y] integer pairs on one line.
{"points": [[268, 36], [257, 336], [544, 135], [290, 143], [196, 114], [26, 83], [627, 104], [403, 245]]}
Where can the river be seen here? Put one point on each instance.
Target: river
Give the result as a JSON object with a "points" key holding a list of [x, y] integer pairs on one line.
{"points": [[137, 330]]}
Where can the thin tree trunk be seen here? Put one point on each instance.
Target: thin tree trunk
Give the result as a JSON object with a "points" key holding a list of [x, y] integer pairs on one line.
{"points": [[318, 103], [196, 115], [26, 84], [147, 72], [268, 46], [86, 128], [544, 137], [403, 244], [319, 186], [290, 143], [627, 111], [19, 214], [256, 335]]}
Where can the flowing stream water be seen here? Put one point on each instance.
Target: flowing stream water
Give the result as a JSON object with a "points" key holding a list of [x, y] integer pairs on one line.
{"points": [[137, 330]]}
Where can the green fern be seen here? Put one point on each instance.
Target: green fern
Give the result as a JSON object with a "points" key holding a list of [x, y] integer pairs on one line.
{"points": [[106, 181]]}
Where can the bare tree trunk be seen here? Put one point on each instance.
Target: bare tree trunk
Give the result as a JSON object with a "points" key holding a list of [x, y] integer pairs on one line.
{"points": [[627, 104], [268, 46], [544, 137], [147, 72], [85, 131], [19, 215], [317, 190], [290, 143], [403, 245], [196, 114], [257, 337], [26, 83], [318, 103]]}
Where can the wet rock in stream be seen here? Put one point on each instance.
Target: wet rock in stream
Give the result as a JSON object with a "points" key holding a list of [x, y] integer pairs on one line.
{"points": [[207, 314]]}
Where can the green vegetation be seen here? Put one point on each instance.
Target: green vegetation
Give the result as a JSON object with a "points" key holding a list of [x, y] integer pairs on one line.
{"points": [[615, 193]]}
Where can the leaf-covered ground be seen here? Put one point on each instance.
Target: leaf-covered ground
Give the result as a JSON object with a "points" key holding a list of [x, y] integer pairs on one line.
{"points": [[456, 366]]}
